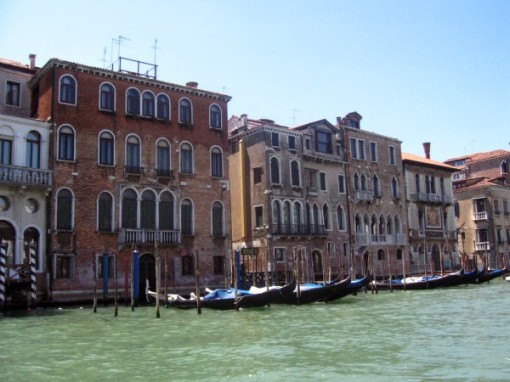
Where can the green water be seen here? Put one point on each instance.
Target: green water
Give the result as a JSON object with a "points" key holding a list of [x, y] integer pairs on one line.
{"points": [[458, 334]]}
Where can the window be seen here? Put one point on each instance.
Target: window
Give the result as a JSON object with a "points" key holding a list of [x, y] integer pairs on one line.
{"points": [[363, 182], [12, 94], [133, 155], [456, 209], [33, 148], [148, 210], [188, 265], [215, 117], [361, 149], [505, 207], [325, 216], [499, 238], [259, 216], [356, 182], [107, 97], [166, 211], [105, 212], [394, 188], [322, 181], [294, 173], [129, 209], [216, 162], [186, 217], [65, 143], [133, 101], [64, 266], [292, 142], [357, 147], [185, 112], [148, 104], [307, 144], [109, 267], [380, 254], [163, 107], [417, 183], [323, 142], [64, 209], [508, 235], [106, 149], [217, 219], [391, 155], [399, 254], [432, 185], [257, 175], [186, 158], [279, 255], [496, 207], [341, 183], [218, 265], [376, 186], [275, 171], [5, 151], [275, 139], [353, 148], [340, 215], [68, 90], [373, 151], [163, 158]]}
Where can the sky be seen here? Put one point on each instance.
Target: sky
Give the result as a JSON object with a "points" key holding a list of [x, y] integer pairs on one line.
{"points": [[421, 71]]}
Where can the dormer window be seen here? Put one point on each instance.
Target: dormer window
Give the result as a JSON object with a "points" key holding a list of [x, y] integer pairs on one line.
{"points": [[323, 142]]}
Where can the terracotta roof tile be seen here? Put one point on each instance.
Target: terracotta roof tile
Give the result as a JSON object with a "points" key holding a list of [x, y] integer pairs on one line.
{"points": [[429, 162]]}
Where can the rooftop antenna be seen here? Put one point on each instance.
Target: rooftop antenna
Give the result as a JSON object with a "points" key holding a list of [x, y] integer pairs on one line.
{"points": [[155, 47], [104, 58], [119, 43]]}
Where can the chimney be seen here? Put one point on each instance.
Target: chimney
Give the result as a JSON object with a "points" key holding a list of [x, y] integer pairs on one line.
{"points": [[426, 148], [192, 84], [31, 57]]}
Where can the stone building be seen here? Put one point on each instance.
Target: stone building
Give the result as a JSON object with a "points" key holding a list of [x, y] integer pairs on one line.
{"points": [[431, 218], [288, 198], [482, 195], [25, 179], [376, 209], [139, 173]]}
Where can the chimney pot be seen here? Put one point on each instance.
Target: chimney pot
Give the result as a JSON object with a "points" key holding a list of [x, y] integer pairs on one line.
{"points": [[426, 148], [31, 57], [192, 84]]}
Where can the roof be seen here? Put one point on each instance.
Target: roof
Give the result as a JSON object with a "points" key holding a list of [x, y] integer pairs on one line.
{"points": [[480, 156], [476, 183], [406, 157], [16, 65]]}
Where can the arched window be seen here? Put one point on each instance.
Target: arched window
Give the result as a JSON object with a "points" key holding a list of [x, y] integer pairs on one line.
{"points": [[298, 220], [64, 209], [340, 215], [325, 216], [380, 254], [129, 209], [394, 188], [277, 217], [216, 162], [68, 90], [389, 225], [294, 173], [133, 155], [148, 210], [163, 107], [148, 104], [186, 217], [185, 111], [186, 158], [66, 143], [376, 186], [363, 182], [398, 226], [286, 217], [275, 171], [217, 219], [163, 158], [105, 212], [166, 211], [107, 97], [106, 149], [215, 117], [356, 182], [133, 101], [33, 150], [316, 219]]}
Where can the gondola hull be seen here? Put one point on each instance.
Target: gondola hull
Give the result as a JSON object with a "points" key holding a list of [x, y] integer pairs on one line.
{"points": [[316, 294]]}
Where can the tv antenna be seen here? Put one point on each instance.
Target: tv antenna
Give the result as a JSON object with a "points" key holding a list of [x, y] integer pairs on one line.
{"points": [[119, 43], [155, 47]]}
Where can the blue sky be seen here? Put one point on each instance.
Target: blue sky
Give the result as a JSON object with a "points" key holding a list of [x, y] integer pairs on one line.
{"points": [[434, 70]]}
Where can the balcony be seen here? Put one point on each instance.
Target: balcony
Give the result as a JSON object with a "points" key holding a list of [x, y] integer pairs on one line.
{"points": [[298, 230], [149, 236], [480, 215], [430, 198], [163, 173], [133, 170], [364, 239], [363, 196], [482, 246], [25, 176]]}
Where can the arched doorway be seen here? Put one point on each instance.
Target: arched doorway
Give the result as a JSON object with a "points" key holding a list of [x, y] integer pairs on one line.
{"points": [[8, 238], [146, 271]]}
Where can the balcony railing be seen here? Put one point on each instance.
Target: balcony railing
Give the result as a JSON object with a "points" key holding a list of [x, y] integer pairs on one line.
{"points": [[298, 229], [364, 239], [432, 198], [480, 215], [482, 245], [25, 176], [363, 196], [133, 170], [149, 236]]}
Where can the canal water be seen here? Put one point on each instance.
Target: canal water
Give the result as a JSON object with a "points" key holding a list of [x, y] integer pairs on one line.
{"points": [[457, 334]]}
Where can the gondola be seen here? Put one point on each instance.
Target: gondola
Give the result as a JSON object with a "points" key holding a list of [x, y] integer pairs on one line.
{"points": [[465, 278], [420, 282], [352, 288], [490, 274], [224, 299], [309, 293]]}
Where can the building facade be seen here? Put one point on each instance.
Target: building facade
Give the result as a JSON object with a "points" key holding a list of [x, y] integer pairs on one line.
{"points": [[140, 174]]}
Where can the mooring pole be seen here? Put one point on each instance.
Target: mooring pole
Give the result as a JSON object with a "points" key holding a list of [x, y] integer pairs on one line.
{"points": [[105, 278], [158, 277], [3, 262], [197, 283], [116, 287], [33, 281]]}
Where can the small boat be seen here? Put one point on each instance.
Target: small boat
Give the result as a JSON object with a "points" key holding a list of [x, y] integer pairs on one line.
{"points": [[310, 292], [420, 282], [490, 274], [225, 299], [465, 278], [352, 288]]}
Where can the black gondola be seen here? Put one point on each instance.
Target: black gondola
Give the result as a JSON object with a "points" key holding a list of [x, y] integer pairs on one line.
{"points": [[314, 293]]}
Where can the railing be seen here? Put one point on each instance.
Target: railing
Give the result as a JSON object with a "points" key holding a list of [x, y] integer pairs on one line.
{"points": [[133, 170], [482, 245], [480, 215], [433, 198], [364, 239], [25, 176], [164, 173], [447, 199], [149, 236], [363, 196], [298, 229]]}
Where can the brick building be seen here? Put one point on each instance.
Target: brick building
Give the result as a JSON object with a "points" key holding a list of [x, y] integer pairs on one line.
{"points": [[139, 167]]}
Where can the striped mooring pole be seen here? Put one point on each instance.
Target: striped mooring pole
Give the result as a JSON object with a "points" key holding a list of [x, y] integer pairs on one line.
{"points": [[3, 260], [33, 286]]}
